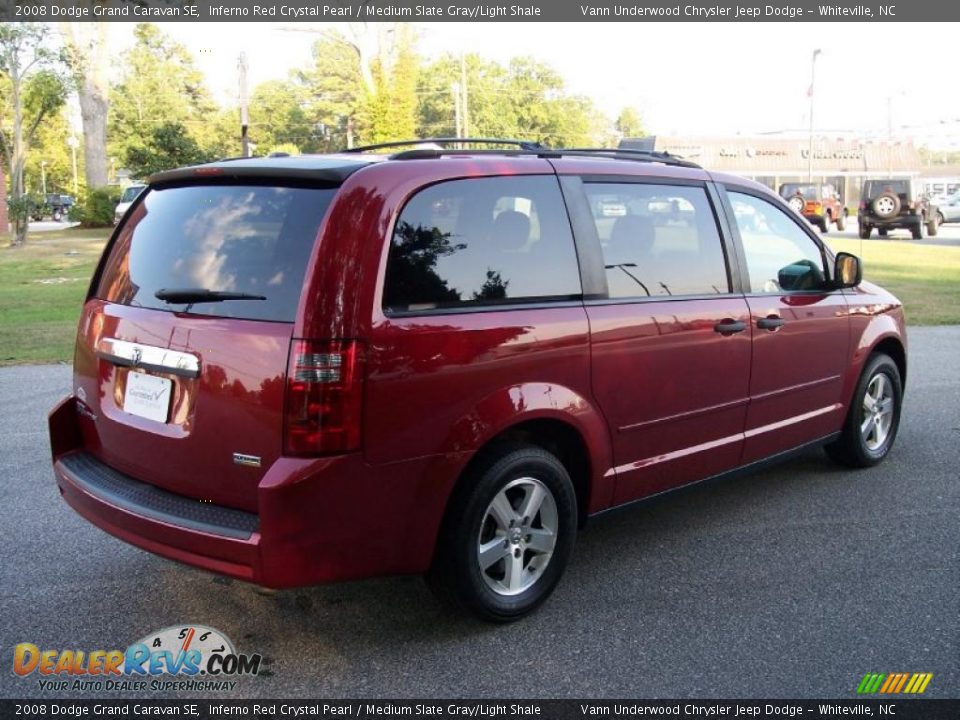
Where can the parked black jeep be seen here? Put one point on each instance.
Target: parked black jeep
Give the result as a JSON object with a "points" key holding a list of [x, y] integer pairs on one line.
{"points": [[52, 205], [895, 203]]}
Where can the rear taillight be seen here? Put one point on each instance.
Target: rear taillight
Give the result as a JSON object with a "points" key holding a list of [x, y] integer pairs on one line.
{"points": [[863, 204], [324, 397]]}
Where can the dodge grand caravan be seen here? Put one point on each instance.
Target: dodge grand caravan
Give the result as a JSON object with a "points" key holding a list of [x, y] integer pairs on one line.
{"points": [[295, 370]]}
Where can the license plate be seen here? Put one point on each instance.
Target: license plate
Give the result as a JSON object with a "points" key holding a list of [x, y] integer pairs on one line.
{"points": [[147, 396]]}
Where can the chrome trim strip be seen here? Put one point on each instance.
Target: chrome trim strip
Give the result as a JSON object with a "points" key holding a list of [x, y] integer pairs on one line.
{"points": [[685, 415], [792, 420], [676, 454], [148, 357], [683, 452], [794, 388]]}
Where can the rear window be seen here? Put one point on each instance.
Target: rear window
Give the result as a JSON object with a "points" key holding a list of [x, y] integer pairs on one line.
{"points": [[223, 238], [875, 187]]}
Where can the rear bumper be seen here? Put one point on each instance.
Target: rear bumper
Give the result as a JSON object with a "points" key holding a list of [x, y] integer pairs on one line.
{"points": [[80, 479], [318, 520], [900, 221]]}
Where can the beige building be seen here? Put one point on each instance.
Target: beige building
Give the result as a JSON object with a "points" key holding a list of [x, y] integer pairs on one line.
{"points": [[845, 162]]}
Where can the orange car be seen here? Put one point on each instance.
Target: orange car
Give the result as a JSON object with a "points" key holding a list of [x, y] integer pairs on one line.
{"points": [[819, 203]]}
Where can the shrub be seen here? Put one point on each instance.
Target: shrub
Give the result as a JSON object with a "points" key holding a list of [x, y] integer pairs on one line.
{"points": [[95, 207]]}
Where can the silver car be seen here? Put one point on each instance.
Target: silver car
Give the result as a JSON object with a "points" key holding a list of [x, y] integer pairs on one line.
{"points": [[130, 193], [948, 209]]}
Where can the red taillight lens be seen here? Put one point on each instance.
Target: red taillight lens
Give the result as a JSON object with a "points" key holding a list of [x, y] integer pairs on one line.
{"points": [[324, 397], [863, 204]]}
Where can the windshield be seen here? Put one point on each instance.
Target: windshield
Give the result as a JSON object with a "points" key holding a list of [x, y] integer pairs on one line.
{"points": [[130, 194], [791, 189], [251, 241]]}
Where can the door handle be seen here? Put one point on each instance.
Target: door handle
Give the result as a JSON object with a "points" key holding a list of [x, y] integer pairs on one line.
{"points": [[770, 323], [729, 327]]}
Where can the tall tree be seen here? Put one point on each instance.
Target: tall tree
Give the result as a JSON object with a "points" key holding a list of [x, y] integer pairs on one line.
{"points": [[164, 147], [159, 85], [33, 89], [525, 99], [278, 116], [333, 87], [628, 123], [89, 61], [389, 111]]}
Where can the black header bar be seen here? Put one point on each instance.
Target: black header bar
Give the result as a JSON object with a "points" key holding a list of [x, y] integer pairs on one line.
{"points": [[478, 11], [894, 708]]}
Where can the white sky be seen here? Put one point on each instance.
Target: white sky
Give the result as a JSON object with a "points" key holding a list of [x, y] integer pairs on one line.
{"points": [[685, 78]]}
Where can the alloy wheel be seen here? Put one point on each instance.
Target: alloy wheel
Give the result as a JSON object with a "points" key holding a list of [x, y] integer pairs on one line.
{"points": [[518, 535], [877, 412]]}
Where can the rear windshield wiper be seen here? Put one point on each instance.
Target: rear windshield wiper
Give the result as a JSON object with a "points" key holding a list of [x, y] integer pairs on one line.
{"points": [[179, 296]]}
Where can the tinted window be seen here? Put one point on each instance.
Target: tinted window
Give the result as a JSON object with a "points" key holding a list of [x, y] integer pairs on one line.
{"points": [[479, 242], [244, 239], [658, 240], [872, 188], [780, 256], [130, 194]]}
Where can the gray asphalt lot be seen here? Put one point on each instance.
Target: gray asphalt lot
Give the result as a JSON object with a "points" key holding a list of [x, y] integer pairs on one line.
{"points": [[790, 582], [948, 235]]}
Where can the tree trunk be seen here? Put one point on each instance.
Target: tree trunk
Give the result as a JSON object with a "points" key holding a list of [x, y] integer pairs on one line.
{"points": [[18, 159], [88, 43]]}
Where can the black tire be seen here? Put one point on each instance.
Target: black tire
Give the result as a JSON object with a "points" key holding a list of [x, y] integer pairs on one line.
{"points": [[864, 231], [883, 232], [940, 219], [852, 448], [917, 230], [886, 205], [841, 222], [825, 224], [456, 574]]}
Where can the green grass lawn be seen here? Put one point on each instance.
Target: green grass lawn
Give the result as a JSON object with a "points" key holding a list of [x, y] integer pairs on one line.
{"points": [[42, 286], [926, 278]]}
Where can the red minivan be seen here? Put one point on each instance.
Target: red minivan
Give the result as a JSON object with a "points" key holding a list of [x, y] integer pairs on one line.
{"points": [[295, 370]]}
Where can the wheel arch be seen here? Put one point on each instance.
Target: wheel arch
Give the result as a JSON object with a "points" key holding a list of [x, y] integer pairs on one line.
{"points": [[892, 346], [557, 436]]}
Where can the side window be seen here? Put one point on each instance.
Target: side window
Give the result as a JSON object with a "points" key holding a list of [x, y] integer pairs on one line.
{"points": [[780, 256], [482, 241], [658, 240]]}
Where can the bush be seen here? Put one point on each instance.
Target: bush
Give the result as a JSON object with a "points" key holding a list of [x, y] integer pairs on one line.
{"points": [[95, 207]]}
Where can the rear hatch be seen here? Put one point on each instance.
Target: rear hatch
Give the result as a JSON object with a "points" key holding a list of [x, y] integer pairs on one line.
{"points": [[182, 350]]}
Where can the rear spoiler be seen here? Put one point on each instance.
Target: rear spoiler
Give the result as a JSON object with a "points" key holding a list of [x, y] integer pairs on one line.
{"points": [[220, 171]]}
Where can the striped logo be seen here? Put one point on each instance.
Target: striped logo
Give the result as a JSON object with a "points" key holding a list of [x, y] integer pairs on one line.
{"points": [[894, 683]]}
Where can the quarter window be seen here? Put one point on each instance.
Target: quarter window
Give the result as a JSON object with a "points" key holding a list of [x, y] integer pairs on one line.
{"points": [[482, 241], [658, 240], [780, 256]]}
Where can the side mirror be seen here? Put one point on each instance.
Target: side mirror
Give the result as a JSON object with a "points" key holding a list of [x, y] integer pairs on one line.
{"points": [[847, 271]]}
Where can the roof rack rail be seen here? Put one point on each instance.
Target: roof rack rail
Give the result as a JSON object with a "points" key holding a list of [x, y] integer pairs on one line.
{"points": [[522, 144], [647, 155]]}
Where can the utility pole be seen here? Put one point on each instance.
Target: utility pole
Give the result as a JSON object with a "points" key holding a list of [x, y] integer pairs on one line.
{"points": [[465, 113], [813, 77], [456, 110], [244, 106], [43, 176], [889, 134]]}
